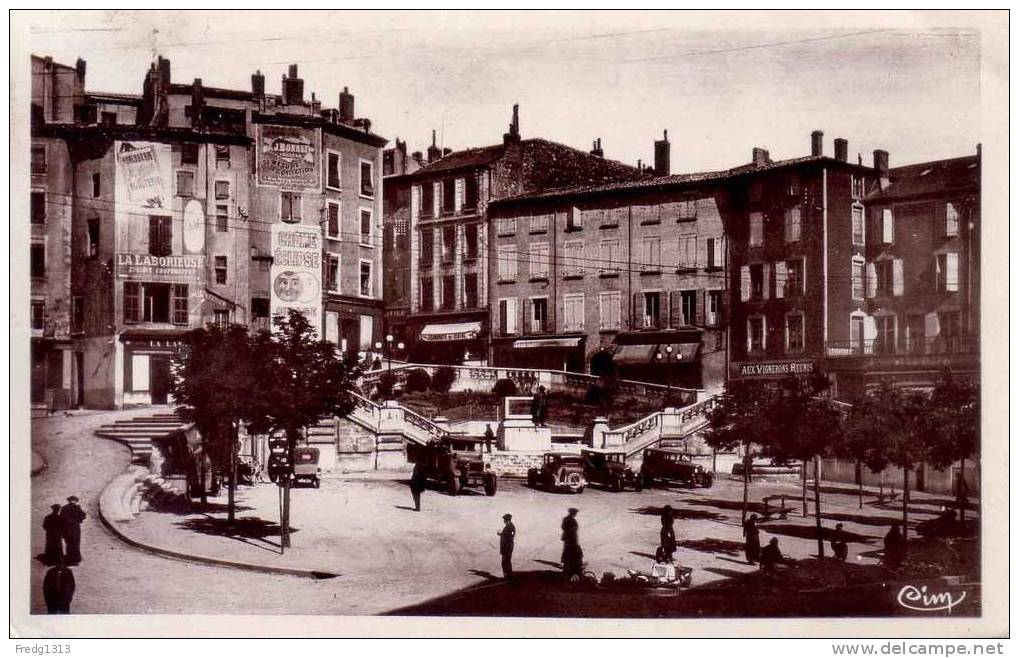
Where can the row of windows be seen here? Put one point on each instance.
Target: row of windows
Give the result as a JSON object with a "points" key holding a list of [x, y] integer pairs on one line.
{"points": [[683, 310], [885, 277], [757, 282], [610, 260], [576, 219], [792, 226], [155, 302], [793, 333], [447, 242], [366, 182], [446, 197], [332, 278], [447, 292]]}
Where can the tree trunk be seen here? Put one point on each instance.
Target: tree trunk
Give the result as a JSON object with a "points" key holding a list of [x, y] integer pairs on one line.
{"points": [[905, 501], [803, 478], [203, 496], [817, 507], [859, 479], [232, 476], [747, 463], [287, 479], [961, 494]]}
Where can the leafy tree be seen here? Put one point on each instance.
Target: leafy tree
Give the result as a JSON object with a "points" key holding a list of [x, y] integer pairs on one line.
{"points": [[418, 379], [891, 426], [505, 388], [955, 428], [212, 377], [804, 424], [740, 418], [443, 379], [300, 379]]}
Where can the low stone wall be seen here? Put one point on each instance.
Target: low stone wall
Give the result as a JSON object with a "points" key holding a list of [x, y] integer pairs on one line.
{"points": [[513, 464]]}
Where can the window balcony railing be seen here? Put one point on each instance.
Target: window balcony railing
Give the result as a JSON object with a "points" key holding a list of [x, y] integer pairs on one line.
{"points": [[927, 346]]}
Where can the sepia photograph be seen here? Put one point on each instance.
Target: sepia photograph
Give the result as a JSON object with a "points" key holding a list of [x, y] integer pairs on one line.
{"points": [[418, 323]]}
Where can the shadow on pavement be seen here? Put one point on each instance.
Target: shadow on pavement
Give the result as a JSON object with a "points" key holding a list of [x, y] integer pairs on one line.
{"points": [[735, 505], [243, 530], [862, 519], [728, 573], [710, 545], [681, 514], [557, 565], [810, 532]]}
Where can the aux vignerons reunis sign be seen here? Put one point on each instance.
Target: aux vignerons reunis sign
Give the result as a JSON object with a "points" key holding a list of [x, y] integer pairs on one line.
{"points": [[773, 368]]}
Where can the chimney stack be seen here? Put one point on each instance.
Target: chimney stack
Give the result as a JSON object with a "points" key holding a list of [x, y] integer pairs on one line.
{"points": [[417, 155], [164, 71], [433, 151], [346, 106], [197, 100], [596, 148], [881, 162], [293, 87], [79, 68], [257, 84], [662, 155], [817, 143], [841, 149], [513, 136], [760, 156]]}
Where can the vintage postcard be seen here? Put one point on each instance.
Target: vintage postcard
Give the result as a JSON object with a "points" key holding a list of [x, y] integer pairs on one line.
{"points": [[410, 323]]}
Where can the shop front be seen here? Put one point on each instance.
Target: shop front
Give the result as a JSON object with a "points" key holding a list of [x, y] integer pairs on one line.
{"points": [[664, 357], [564, 353], [449, 341], [147, 366]]}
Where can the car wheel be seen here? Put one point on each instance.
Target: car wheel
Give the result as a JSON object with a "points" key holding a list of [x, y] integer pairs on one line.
{"points": [[490, 486], [532, 479], [452, 485], [708, 481], [648, 482], [318, 483]]}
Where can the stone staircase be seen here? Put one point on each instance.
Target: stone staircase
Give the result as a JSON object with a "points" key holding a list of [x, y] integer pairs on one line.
{"points": [[139, 432]]}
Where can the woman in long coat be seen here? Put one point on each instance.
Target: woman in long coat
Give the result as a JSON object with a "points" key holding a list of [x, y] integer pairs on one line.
{"points": [[54, 528], [753, 539]]}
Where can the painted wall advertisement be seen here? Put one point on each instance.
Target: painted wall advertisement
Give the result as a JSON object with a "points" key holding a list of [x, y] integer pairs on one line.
{"points": [[160, 269], [297, 271], [288, 157], [143, 183]]}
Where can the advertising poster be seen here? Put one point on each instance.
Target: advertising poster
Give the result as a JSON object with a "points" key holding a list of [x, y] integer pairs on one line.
{"points": [[288, 157], [160, 269], [297, 271], [143, 183]]}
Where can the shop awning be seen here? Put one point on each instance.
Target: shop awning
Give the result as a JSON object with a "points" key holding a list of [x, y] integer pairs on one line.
{"points": [[634, 354], [451, 331], [687, 352], [530, 343]]}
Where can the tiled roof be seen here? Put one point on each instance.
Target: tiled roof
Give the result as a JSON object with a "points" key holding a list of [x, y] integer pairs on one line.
{"points": [[935, 177], [475, 157]]}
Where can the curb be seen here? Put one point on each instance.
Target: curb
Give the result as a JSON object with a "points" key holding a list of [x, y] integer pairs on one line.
{"points": [[39, 467]]}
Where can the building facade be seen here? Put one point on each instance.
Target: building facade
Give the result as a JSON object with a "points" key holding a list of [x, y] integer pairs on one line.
{"points": [[626, 278], [196, 205], [446, 284]]}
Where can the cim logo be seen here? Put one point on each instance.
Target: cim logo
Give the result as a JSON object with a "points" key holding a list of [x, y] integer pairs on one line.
{"points": [[918, 598]]}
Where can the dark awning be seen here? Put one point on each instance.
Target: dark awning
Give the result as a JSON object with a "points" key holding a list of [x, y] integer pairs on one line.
{"points": [[531, 343], [451, 331], [634, 354]]}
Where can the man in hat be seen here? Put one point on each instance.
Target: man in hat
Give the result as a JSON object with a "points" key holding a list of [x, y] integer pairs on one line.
{"points": [[71, 517], [839, 545], [506, 535], [573, 556], [668, 533], [54, 540], [418, 479]]}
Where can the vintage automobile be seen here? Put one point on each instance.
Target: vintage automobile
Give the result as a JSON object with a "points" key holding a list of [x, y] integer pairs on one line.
{"points": [[453, 469], [608, 468], [306, 466], [558, 472], [666, 465]]}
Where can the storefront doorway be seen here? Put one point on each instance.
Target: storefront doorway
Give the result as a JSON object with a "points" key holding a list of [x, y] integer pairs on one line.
{"points": [[159, 378]]}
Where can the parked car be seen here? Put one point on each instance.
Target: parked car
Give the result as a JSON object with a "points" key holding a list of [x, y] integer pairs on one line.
{"points": [[455, 470], [306, 467], [558, 472], [666, 465], [608, 468]]}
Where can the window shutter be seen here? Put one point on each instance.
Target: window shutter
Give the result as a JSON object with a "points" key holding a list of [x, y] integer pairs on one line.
{"points": [[871, 280], [887, 225], [766, 276], [675, 310], [869, 328], [527, 316], [436, 199], [719, 258], [951, 271], [781, 277], [897, 278], [511, 315], [931, 325], [458, 201], [415, 201], [637, 316], [700, 299], [744, 283]]}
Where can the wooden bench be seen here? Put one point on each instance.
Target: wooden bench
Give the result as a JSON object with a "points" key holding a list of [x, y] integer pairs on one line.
{"points": [[782, 511]]}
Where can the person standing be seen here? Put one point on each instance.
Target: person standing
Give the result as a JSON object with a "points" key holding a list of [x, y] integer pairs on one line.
{"points": [[506, 538], [58, 589], [753, 539], [839, 546], [417, 485], [54, 536], [573, 556], [539, 407], [668, 533], [895, 548], [71, 517], [489, 438]]}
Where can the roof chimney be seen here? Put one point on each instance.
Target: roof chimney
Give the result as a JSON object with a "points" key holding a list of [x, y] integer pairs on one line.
{"points": [[881, 167], [164, 71], [293, 87], [446, 151], [817, 143], [841, 149], [79, 68], [417, 155], [514, 128], [346, 106], [596, 148], [434, 153], [197, 100], [662, 155], [760, 156], [257, 83]]}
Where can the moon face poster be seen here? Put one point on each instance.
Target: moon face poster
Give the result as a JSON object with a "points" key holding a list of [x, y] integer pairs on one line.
{"points": [[297, 271]]}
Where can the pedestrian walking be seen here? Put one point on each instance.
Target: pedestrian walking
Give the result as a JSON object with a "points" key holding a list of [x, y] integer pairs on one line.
{"points": [[71, 517], [58, 589], [506, 538], [668, 533], [753, 539], [839, 545], [539, 407], [573, 556], [54, 536], [489, 438], [417, 485]]}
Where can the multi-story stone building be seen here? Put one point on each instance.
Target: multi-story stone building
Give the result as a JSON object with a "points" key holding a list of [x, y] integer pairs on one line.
{"points": [[446, 282], [922, 252], [194, 204], [626, 277]]}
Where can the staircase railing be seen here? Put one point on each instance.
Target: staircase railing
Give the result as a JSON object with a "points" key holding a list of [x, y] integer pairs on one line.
{"points": [[649, 431]]}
